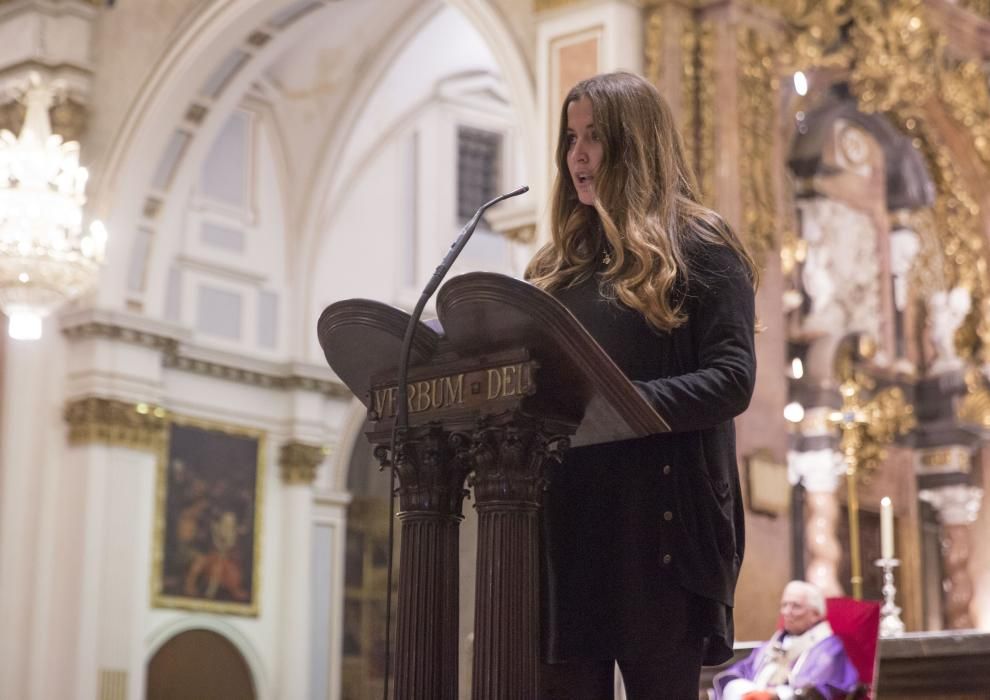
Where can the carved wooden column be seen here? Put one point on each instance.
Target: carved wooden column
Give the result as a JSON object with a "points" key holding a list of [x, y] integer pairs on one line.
{"points": [[509, 455], [431, 492], [958, 506]]}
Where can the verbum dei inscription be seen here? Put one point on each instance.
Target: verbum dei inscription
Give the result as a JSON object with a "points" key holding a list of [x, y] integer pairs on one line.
{"points": [[467, 390]]}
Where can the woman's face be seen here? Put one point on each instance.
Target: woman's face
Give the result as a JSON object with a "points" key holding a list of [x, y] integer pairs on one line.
{"points": [[584, 150]]}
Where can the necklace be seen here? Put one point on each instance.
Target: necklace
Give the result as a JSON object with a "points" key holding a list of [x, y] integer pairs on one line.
{"points": [[606, 257]]}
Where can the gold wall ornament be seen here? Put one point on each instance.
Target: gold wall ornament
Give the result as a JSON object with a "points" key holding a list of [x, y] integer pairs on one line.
{"points": [[927, 274], [544, 5], [653, 44], [299, 461], [897, 55], [959, 226], [757, 131], [815, 33], [704, 125], [867, 426], [690, 86], [975, 406], [95, 420], [965, 92], [977, 7]]}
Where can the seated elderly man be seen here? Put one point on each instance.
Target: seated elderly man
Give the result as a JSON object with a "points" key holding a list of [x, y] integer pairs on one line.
{"points": [[804, 657]]}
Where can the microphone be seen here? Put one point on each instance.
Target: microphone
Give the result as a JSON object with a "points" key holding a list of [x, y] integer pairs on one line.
{"points": [[402, 410], [402, 392]]}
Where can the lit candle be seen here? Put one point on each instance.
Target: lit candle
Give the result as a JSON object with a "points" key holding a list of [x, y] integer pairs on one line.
{"points": [[886, 529]]}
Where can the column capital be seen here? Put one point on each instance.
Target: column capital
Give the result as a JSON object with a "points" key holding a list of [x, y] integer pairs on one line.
{"points": [[299, 461], [818, 470], [956, 505], [96, 420]]}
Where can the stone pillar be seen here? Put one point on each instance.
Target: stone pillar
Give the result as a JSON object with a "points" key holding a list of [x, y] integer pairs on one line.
{"points": [[25, 413], [509, 458], [114, 448], [298, 462], [958, 506], [819, 471]]}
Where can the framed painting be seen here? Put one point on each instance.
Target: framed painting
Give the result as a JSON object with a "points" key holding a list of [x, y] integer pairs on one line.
{"points": [[769, 490], [208, 519]]}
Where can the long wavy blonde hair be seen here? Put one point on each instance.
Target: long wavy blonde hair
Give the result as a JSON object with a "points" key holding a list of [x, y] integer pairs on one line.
{"points": [[646, 211]]}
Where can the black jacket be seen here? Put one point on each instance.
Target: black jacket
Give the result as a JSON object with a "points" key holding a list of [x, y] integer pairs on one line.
{"points": [[669, 505]]}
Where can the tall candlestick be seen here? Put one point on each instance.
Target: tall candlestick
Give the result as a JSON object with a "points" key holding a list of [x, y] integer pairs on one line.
{"points": [[886, 529]]}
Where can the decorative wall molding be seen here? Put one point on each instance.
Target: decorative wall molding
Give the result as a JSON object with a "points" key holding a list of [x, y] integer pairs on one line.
{"points": [[758, 85], [277, 377], [179, 354], [95, 420], [299, 462], [956, 505], [124, 334], [949, 459]]}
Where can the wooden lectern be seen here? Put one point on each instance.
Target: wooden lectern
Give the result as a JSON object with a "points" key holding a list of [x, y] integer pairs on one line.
{"points": [[504, 381]]}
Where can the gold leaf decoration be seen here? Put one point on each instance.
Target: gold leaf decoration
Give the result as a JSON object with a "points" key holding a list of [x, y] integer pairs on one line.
{"points": [[118, 423], [964, 91], [897, 55], [757, 128]]}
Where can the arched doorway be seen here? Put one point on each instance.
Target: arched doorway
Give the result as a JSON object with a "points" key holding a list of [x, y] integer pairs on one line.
{"points": [[199, 665]]}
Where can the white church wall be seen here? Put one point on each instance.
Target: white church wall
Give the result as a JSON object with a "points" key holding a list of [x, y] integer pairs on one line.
{"points": [[401, 164]]}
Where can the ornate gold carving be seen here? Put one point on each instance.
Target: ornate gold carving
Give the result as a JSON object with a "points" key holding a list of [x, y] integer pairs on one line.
{"points": [[697, 93], [299, 462], [706, 66], [544, 5], [896, 53], [898, 64], [975, 406], [964, 91], [68, 118], [949, 459], [757, 129], [526, 233], [977, 7], [868, 426], [816, 32], [928, 272], [107, 421], [653, 48]]}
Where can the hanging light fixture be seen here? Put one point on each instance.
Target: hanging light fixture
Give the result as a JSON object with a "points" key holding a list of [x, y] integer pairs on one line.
{"points": [[46, 257]]}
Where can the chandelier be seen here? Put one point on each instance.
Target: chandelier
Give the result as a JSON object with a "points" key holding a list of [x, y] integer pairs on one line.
{"points": [[46, 258]]}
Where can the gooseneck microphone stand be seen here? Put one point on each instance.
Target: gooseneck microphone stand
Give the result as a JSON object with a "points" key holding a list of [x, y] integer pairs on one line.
{"points": [[402, 395]]}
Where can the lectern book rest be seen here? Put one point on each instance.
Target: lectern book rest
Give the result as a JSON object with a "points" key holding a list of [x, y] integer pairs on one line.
{"points": [[495, 337], [505, 380]]}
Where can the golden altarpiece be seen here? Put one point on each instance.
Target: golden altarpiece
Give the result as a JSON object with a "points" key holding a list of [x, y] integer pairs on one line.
{"points": [[848, 143]]}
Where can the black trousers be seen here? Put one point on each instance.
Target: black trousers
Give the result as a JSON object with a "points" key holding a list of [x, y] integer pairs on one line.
{"points": [[671, 677]]}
